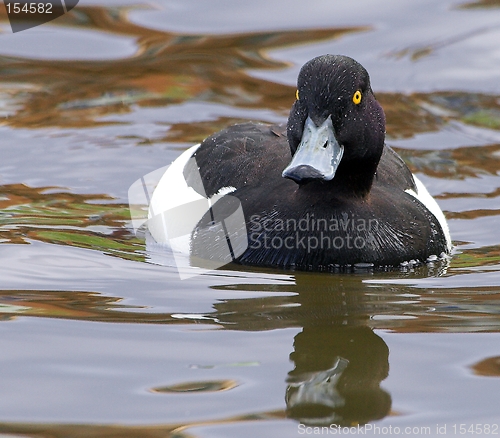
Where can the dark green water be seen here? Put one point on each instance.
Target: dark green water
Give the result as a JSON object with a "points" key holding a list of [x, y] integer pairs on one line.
{"points": [[99, 339]]}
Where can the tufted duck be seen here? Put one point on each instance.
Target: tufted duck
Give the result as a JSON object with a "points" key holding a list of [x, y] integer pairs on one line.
{"points": [[322, 193]]}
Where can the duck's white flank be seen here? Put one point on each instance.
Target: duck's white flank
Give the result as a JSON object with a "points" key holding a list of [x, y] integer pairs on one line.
{"points": [[425, 198], [173, 191]]}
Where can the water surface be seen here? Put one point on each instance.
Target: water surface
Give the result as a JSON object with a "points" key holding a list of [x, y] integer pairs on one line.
{"points": [[98, 339]]}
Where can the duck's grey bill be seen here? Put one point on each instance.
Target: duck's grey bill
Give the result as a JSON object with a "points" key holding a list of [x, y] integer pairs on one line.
{"points": [[318, 154]]}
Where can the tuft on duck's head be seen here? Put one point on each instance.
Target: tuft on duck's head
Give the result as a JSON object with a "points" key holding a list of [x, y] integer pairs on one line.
{"points": [[336, 127]]}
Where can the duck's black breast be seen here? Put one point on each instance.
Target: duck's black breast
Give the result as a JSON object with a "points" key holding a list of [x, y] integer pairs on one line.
{"points": [[317, 225]]}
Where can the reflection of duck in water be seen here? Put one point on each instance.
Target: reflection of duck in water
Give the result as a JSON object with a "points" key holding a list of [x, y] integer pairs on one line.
{"points": [[321, 193], [337, 376], [339, 361]]}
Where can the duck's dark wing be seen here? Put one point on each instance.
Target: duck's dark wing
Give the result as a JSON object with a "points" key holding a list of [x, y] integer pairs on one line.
{"points": [[392, 171], [249, 154]]}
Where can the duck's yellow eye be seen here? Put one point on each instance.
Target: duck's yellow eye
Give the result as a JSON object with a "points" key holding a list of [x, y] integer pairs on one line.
{"points": [[356, 98], [297, 94]]}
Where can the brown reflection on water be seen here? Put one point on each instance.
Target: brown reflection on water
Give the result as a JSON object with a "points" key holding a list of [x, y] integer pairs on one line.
{"points": [[414, 113], [167, 68], [345, 300], [197, 386], [74, 305], [489, 367], [170, 68], [52, 214], [481, 4], [458, 164], [405, 116], [311, 300], [47, 430]]}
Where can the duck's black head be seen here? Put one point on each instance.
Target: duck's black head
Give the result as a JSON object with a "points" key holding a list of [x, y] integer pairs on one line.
{"points": [[336, 128]]}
